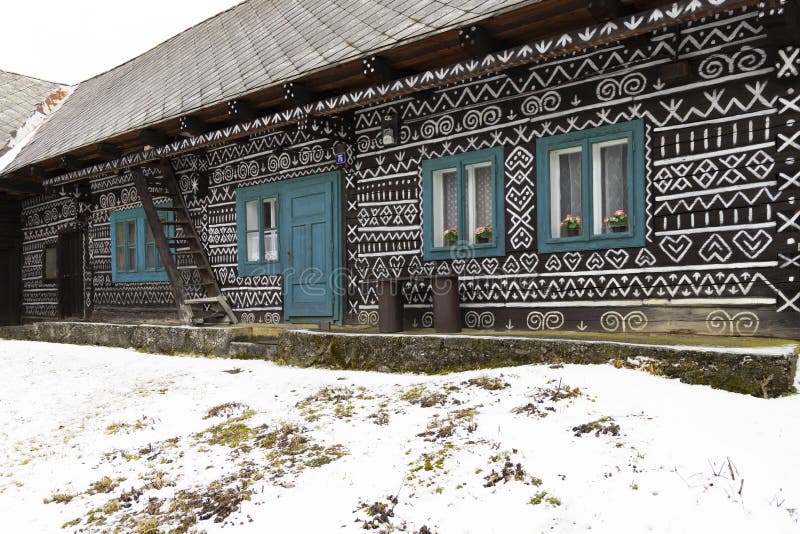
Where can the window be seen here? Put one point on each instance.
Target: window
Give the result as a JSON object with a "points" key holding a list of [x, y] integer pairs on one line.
{"points": [[50, 263], [257, 206], [134, 255], [462, 205], [591, 188]]}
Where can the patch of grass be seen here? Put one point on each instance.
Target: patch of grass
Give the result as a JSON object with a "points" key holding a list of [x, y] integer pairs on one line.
{"points": [[289, 448], [604, 425], [445, 427], [379, 514], [340, 397], [122, 426], [542, 496], [59, 498], [72, 523], [104, 485], [232, 433], [227, 410], [421, 395], [487, 383]]}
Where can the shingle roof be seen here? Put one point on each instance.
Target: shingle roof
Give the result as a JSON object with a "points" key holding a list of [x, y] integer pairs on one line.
{"points": [[256, 44], [19, 97]]}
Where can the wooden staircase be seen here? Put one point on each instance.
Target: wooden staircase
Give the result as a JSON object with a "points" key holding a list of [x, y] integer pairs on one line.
{"points": [[181, 250]]}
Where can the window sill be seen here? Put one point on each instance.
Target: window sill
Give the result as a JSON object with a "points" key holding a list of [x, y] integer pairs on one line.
{"points": [[604, 241], [465, 251], [156, 276]]}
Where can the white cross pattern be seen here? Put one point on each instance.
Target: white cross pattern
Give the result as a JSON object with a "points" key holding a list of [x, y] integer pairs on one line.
{"points": [[787, 261], [788, 62], [785, 142], [789, 180], [789, 223]]}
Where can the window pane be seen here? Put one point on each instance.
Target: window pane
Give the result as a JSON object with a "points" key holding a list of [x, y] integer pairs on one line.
{"points": [[479, 202], [131, 240], [251, 209], [445, 207], [50, 263], [131, 259], [271, 245], [253, 254], [121, 264], [610, 169], [120, 231], [150, 257], [270, 213], [565, 192]]}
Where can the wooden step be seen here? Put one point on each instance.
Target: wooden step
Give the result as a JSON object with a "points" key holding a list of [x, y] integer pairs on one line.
{"points": [[188, 268], [189, 252], [203, 300], [176, 223]]}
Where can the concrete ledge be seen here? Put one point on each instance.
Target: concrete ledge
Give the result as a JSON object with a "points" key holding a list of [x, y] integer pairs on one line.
{"points": [[767, 372], [149, 338]]}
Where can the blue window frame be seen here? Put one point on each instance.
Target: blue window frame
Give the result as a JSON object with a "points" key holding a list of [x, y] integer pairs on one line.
{"points": [[257, 229], [462, 195], [134, 256], [591, 189]]}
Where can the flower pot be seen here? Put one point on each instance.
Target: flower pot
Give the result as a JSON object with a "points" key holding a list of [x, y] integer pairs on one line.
{"points": [[619, 229], [483, 239], [450, 242], [570, 232]]}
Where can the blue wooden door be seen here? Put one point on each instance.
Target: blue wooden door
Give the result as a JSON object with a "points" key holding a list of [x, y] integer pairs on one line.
{"points": [[311, 231]]}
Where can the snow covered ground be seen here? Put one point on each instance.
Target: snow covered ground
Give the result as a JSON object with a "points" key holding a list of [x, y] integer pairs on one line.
{"points": [[96, 439]]}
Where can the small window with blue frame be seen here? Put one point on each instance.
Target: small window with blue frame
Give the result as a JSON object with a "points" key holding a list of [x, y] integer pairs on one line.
{"points": [[591, 188], [462, 205], [134, 255], [258, 248]]}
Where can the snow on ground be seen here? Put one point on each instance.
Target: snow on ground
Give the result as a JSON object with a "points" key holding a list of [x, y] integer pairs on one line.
{"points": [[96, 439]]}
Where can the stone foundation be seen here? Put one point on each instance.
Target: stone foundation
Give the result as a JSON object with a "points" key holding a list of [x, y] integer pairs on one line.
{"points": [[760, 372], [767, 372]]}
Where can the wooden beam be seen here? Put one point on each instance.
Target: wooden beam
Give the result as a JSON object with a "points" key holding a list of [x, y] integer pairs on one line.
{"points": [[107, 151], [377, 69], [239, 110], [40, 173], [605, 10], [19, 188], [477, 40], [152, 137], [164, 252], [71, 162], [191, 126], [297, 93]]}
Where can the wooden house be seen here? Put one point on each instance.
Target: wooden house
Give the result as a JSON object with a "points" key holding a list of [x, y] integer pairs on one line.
{"points": [[25, 103], [590, 165]]}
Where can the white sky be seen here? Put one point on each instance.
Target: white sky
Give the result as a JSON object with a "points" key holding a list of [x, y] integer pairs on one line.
{"points": [[68, 41]]}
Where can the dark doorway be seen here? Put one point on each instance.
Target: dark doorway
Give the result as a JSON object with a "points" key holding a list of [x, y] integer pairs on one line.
{"points": [[10, 281], [70, 275]]}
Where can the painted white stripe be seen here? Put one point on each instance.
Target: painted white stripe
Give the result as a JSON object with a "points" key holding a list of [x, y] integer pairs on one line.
{"points": [[694, 157], [711, 229], [388, 228], [390, 253], [387, 203], [716, 190], [386, 177], [729, 118], [604, 303], [635, 270]]}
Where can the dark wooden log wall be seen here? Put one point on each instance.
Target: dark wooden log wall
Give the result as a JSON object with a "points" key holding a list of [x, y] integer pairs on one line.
{"points": [[720, 254]]}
